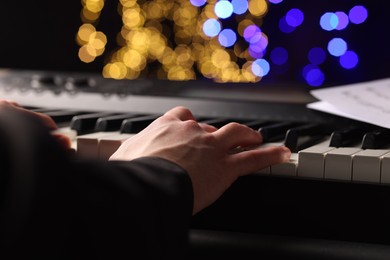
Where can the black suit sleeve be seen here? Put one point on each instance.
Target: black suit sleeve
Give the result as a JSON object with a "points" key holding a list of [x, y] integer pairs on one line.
{"points": [[56, 206]]}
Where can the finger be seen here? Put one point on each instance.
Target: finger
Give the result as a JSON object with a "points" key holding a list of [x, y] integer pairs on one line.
{"points": [[9, 102], [253, 160], [233, 135], [45, 119], [181, 113], [63, 140], [208, 128]]}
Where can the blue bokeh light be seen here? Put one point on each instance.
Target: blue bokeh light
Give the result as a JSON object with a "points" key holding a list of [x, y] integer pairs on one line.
{"points": [[257, 37], [227, 37], [349, 60], [275, 1], [313, 75], [284, 26], [211, 27], [329, 21], [198, 2], [316, 55], [358, 14], [255, 54], [257, 42], [223, 9], [240, 6], [260, 67], [279, 55], [257, 49], [260, 45], [294, 17], [337, 47], [343, 21], [250, 32]]}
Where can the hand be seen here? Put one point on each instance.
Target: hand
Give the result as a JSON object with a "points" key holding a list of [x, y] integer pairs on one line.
{"points": [[46, 120], [204, 151]]}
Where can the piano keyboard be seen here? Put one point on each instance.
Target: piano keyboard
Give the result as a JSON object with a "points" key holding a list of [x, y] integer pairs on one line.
{"points": [[98, 135], [98, 124], [335, 185]]}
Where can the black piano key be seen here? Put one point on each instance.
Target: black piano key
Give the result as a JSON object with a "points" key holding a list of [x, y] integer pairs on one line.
{"points": [[112, 123], [41, 110], [60, 117], [219, 122], [216, 122], [304, 136], [32, 108], [137, 124], [258, 124], [84, 124], [276, 132], [376, 139], [348, 137], [63, 116]]}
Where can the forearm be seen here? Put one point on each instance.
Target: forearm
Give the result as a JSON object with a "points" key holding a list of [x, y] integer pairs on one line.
{"points": [[146, 203]]}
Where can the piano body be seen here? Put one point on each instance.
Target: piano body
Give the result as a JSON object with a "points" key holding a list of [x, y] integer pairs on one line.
{"points": [[292, 210]]}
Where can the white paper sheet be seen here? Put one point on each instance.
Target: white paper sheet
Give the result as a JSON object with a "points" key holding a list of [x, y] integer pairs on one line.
{"points": [[367, 101]]}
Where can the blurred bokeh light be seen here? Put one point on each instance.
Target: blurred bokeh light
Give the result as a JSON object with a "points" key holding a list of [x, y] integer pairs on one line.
{"points": [[222, 40]]}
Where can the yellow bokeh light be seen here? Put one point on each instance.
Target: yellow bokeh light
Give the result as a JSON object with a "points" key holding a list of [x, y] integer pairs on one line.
{"points": [[128, 3], [258, 7], [88, 16], [184, 56], [154, 10], [209, 11], [179, 73], [220, 58], [116, 70], [84, 33], [87, 54], [132, 18], [94, 6], [168, 57], [98, 40], [168, 34], [208, 69], [139, 40], [157, 46], [134, 60]]}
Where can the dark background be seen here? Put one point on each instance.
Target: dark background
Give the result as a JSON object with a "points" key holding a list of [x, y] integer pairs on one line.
{"points": [[41, 35]]}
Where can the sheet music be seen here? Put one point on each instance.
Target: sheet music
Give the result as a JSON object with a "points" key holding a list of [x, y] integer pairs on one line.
{"points": [[367, 101]]}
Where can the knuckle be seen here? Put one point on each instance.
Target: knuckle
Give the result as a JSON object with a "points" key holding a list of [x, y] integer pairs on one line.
{"points": [[190, 124], [209, 138]]}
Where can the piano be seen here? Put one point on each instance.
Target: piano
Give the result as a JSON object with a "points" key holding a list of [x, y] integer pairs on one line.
{"points": [[331, 201]]}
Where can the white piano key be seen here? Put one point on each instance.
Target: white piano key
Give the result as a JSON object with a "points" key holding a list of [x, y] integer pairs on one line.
{"points": [[338, 163], [385, 169], [367, 165], [312, 161], [88, 144], [108, 145], [67, 131], [286, 169], [291, 168]]}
